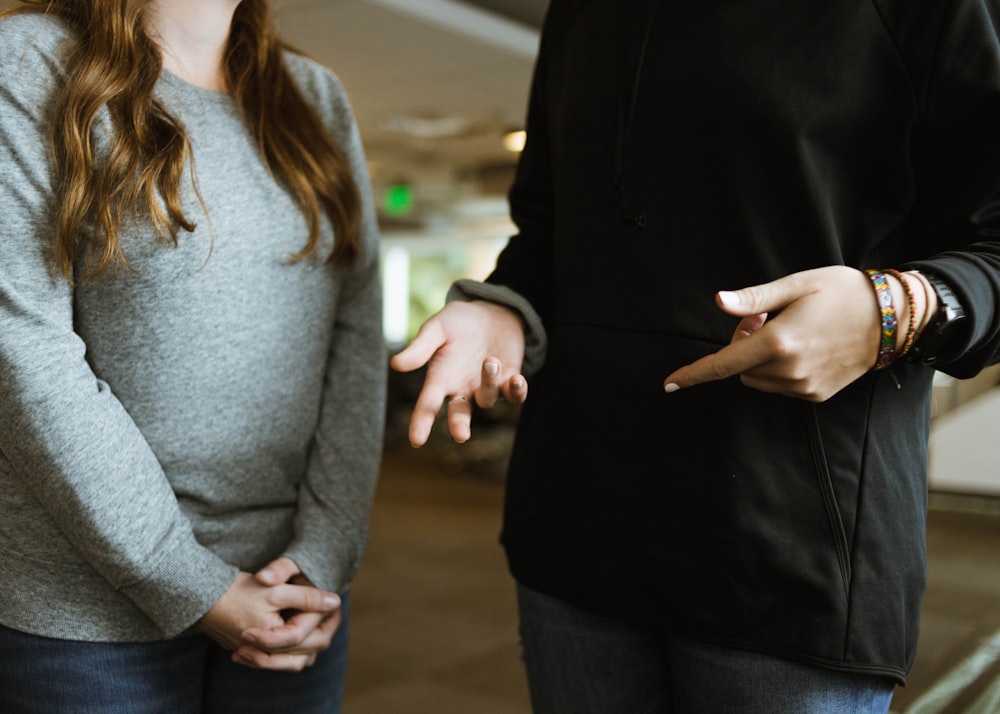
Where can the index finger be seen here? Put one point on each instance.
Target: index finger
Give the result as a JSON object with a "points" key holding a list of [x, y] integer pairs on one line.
{"points": [[735, 358], [289, 636], [281, 662], [425, 411], [278, 571]]}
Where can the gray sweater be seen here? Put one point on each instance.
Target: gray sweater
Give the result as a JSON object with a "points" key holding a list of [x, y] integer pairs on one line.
{"points": [[215, 406]]}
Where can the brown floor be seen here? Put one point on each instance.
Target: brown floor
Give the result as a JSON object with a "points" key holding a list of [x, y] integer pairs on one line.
{"points": [[434, 626], [433, 617]]}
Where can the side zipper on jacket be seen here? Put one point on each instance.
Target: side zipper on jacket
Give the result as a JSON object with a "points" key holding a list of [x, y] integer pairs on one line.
{"points": [[829, 500]]}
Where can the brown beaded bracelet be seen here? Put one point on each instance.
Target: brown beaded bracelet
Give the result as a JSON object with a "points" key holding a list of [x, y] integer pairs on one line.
{"points": [[911, 328]]}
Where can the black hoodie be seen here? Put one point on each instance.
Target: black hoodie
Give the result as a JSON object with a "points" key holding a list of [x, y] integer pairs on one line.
{"points": [[676, 149]]}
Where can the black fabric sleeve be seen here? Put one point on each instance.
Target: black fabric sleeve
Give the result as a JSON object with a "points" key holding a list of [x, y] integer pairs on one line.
{"points": [[954, 232], [525, 264]]}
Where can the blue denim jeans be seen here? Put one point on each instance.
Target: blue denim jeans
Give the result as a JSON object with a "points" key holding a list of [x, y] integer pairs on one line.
{"points": [[187, 675], [586, 664]]}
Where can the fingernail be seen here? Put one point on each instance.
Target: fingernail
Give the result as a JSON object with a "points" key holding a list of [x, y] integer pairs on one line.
{"points": [[267, 574], [250, 637], [331, 601], [492, 369], [246, 658], [729, 299], [670, 387], [517, 383]]}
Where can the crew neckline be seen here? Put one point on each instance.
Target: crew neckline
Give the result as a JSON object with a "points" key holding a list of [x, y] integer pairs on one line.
{"points": [[182, 84]]}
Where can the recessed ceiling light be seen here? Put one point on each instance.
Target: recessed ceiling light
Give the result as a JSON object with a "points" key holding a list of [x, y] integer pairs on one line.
{"points": [[514, 141]]}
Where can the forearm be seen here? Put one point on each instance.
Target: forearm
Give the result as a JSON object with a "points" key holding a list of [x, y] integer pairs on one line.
{"points": [[104, 497], [331, 523]]}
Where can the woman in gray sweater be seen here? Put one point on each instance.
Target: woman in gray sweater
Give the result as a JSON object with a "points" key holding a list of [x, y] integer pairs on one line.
{"points": [[191, 361]]}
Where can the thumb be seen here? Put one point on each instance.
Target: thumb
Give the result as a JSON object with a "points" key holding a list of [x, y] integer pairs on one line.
{"points": [[278, 571], [429, 339], [749, 325], [305, 598], [763, 298]]}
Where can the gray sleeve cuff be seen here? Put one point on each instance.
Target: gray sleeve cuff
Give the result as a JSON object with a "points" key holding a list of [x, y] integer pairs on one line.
{"points": [[179, 589], [535, 340]]}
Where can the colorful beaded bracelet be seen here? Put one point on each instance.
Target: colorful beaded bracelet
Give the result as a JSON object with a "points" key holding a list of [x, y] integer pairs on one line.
{"points": [[887, 344]]}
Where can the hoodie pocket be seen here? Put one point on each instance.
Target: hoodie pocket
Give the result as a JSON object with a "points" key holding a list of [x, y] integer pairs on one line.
{"points": [[825, 481]]}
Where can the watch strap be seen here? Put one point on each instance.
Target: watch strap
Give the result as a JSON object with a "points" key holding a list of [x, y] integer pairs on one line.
{"points": [[931, 345]]}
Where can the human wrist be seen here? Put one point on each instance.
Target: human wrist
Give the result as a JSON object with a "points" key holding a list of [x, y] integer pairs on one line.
{"points": [[906, 301], [502, 313], [910, 300], [927, 302], [888, 320]]}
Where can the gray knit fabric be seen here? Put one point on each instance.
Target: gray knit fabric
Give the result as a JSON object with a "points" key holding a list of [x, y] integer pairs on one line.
{"points": [[211, 408]]}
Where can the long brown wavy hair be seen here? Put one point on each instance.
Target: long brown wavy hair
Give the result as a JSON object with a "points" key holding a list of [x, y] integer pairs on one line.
{"points": [[116, 65]]}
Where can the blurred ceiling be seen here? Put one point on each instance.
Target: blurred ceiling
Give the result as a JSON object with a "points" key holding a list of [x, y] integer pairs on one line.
{"points": [[434, 85]]}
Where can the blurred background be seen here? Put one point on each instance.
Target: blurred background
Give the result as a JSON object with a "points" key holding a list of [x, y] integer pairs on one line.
{"points": [[439, 88]]}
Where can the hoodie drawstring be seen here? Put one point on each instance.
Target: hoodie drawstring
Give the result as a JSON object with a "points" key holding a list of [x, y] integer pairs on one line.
{"points": [[626, 115]]}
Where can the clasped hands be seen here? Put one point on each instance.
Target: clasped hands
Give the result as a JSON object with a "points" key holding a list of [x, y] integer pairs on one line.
{"points": [[274, 619], [822, 335]]}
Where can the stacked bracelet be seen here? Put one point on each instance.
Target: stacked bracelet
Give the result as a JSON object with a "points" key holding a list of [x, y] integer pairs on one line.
{"points": [[911, 327], [887, 344]]}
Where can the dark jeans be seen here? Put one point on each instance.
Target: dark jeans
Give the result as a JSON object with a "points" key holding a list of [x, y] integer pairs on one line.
{"points": [[586, 664], [188, 675]]}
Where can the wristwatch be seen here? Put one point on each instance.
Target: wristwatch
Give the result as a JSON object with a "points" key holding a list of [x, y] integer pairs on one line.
{"points": [[932, 344]]}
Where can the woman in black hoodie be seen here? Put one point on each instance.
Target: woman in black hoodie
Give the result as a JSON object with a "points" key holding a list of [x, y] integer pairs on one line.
{"points": [[752, 540]]}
